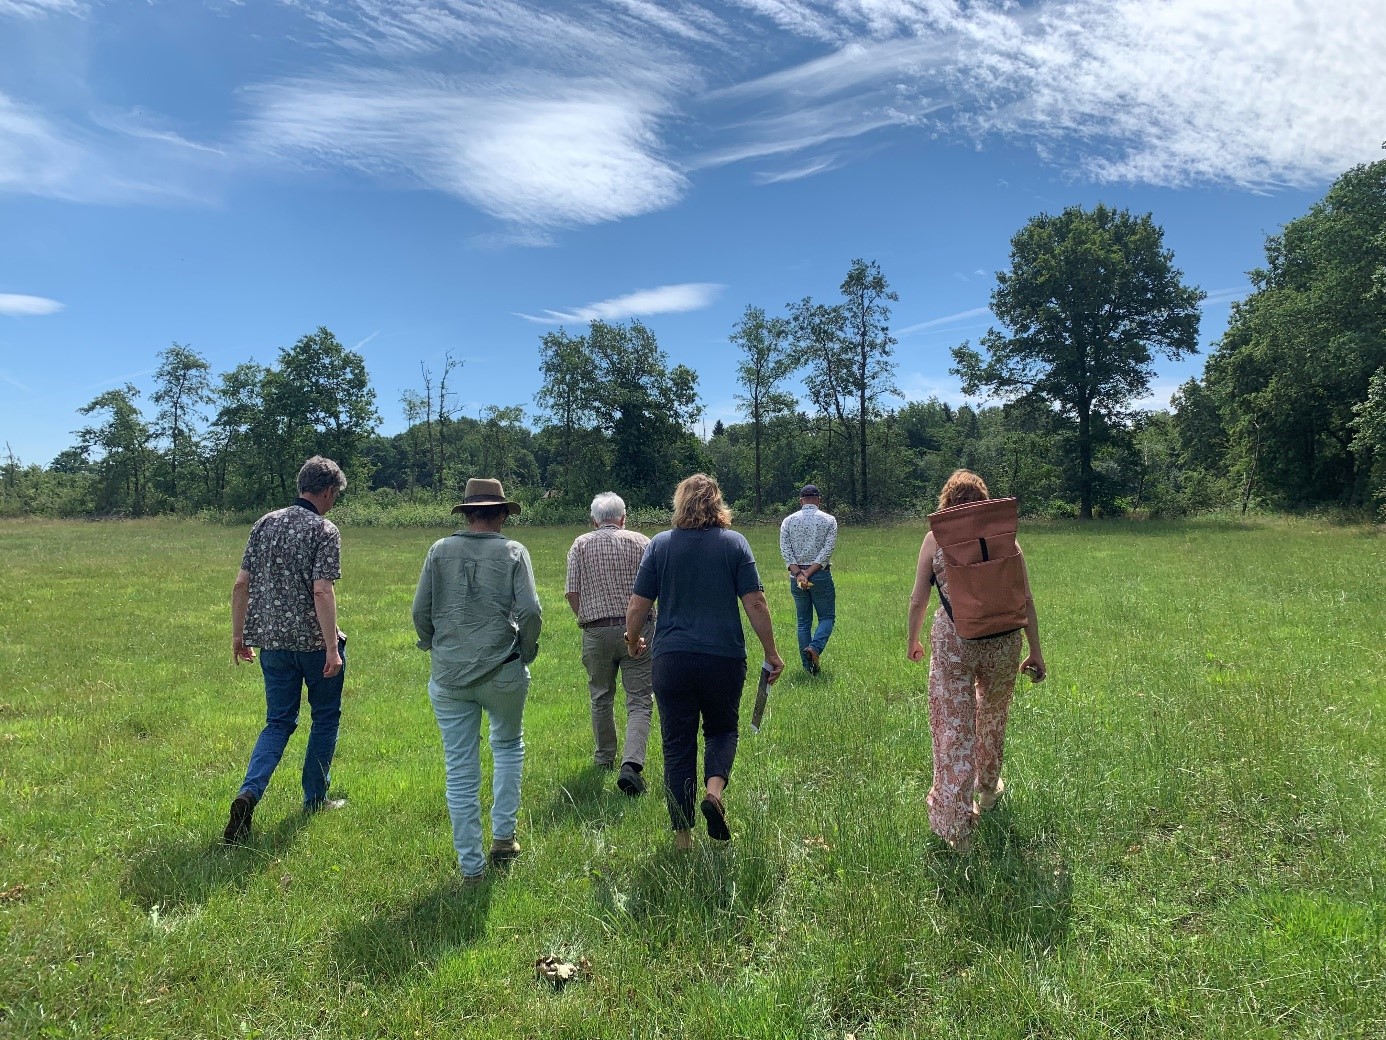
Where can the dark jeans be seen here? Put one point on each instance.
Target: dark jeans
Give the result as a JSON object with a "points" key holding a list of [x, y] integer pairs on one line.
{"points": [[687, 687], [287, 672]]}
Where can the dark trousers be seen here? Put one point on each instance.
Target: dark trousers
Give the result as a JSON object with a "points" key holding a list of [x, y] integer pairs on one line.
{"points": [[689, 687]]}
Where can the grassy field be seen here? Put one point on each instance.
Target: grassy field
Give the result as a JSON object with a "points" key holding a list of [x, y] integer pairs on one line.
{"points": [[1192, 844]]}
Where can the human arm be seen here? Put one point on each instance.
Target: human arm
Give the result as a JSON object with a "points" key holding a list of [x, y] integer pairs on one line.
{"points": [[637, 613], [240, 601], [758, 613], [528, 614], [325, 607], [825, 554], [423, 605], [571, 591], [1034, 661], [919, 598]]}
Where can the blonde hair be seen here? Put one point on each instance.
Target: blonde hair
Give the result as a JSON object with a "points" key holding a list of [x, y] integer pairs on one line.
{"points": [[962, 486], [698, 504]]}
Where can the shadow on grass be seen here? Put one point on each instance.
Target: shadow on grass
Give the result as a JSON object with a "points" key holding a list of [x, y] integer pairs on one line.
{"points": [[589, 795], [713, 890], [419, 933], [1012, 891], [184, 874]]}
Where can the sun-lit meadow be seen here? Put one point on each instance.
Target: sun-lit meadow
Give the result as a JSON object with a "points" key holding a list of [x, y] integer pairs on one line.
{"points": [[1193, 843]]}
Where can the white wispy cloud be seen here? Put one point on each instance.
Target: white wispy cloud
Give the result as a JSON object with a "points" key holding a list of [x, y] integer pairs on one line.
{"points": [[542, 154], [16, 305], [667, 299], [108, 158], [950, 319], [808, 169], [1255, 93], [6, 377], [39, 8]]}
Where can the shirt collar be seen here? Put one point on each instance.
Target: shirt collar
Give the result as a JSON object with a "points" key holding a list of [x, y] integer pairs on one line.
{"points": [[307, 505], [807, 506]]}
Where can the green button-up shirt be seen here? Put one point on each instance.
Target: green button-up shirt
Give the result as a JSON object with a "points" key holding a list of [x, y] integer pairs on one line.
{"points": [[476, 605]]}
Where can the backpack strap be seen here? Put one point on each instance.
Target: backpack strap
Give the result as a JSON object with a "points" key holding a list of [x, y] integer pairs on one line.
{"points": [[947, 607]]}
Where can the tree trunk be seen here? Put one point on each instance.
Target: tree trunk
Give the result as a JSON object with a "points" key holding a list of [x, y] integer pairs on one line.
{"points": [[1085, 461]]}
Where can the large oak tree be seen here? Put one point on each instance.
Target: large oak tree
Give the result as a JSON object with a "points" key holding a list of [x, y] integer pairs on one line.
{"points": [[1091, 297]]}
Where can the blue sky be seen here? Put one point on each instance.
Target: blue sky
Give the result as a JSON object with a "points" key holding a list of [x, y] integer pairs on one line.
{"points": [[425, 176]]}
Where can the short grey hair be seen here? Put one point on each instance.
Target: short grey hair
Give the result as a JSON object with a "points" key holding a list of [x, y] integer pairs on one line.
{"points": [[608, 507], [318, 474]]}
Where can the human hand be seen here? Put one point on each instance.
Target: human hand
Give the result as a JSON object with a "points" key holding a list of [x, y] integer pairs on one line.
{"points": [[776, 663], [804, 583], [916, 651], [1035, 668], [635, 647], [333, 664], [240, 652]]}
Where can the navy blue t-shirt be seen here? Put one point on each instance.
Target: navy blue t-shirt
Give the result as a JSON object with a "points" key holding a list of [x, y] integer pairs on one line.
{"points": [[698, 577]]}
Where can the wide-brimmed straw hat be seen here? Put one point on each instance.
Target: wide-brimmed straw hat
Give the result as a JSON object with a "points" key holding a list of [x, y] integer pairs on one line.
{"points": [[483, 491]]}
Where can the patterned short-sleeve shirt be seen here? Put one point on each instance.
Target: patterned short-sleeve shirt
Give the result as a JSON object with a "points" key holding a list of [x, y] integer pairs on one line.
{"points": [[288, 550]]}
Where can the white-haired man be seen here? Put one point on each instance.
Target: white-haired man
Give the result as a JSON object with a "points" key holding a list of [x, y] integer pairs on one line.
{"points": [[602, 565]]}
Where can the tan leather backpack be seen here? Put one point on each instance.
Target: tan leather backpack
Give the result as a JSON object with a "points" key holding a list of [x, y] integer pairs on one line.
{"points": [[983, 567]]}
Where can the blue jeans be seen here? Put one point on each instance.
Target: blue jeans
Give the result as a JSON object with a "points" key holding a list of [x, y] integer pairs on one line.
{"points": [[458, 711], [286, 673], [822, 598]]}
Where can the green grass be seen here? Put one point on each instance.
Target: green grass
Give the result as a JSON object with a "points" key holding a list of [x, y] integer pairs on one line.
{"points": [[1192, 843]]}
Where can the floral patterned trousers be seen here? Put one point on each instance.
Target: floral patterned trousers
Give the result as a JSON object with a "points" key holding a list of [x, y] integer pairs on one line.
{"points": [[971, 682]]}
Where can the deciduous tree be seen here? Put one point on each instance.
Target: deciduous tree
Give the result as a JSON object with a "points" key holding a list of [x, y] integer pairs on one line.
{"points": [[1091, 297]]}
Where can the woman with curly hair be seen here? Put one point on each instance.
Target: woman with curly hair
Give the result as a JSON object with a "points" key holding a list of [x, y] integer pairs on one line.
{"points": [[971, 682], [697, 572]]}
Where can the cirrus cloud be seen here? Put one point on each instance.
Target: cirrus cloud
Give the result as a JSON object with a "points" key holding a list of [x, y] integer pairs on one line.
{"points": [[19, 306], [666, 299]]}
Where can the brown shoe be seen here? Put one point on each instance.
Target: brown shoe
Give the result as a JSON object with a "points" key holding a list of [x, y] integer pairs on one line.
{"points": [[810, 656], [504, 851], [716, 818]]}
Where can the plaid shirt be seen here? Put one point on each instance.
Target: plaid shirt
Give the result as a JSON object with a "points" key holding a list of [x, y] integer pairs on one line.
{"points": [[601, 570], [288, 550], [808, 536]]}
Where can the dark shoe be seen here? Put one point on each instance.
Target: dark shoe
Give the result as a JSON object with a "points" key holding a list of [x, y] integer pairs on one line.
{"points": [[473, 880], [605, 765], [716, 818], [238, 824], [504, 851], [630, 781], [810, 656], [324, 805]]}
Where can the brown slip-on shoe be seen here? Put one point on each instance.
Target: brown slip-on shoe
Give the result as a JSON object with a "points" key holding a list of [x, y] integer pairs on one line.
{"points": [[716, 818]]}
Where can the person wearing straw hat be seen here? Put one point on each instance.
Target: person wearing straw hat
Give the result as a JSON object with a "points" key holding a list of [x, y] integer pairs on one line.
{"points": [[477, 612]]}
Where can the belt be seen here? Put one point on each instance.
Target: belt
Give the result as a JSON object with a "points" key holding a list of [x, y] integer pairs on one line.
{"points": [[605, 622]]}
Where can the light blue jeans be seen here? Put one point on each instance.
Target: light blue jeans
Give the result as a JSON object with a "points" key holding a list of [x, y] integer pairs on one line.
{"points": [[458, 711], [821, 598]]}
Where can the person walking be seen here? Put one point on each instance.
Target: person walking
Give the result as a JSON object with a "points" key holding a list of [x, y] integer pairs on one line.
{"points": [[971, 683], [477, 612], [602, 565], [807, 540], [284, 602], [697, 572]]}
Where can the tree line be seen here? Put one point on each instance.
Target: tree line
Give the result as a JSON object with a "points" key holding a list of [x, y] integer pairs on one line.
{"points": [[1290, 410]]}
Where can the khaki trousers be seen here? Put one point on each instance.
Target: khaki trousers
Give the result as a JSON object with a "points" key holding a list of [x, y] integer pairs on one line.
{"points": [[603, 655]]}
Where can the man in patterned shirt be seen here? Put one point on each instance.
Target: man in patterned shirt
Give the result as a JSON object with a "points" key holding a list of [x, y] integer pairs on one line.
{"points": [[601, 573], [285, 603], [807, 539]]}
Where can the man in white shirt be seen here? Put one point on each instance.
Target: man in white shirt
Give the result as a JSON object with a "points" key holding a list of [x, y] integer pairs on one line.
{"points": [[807, 539]]}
